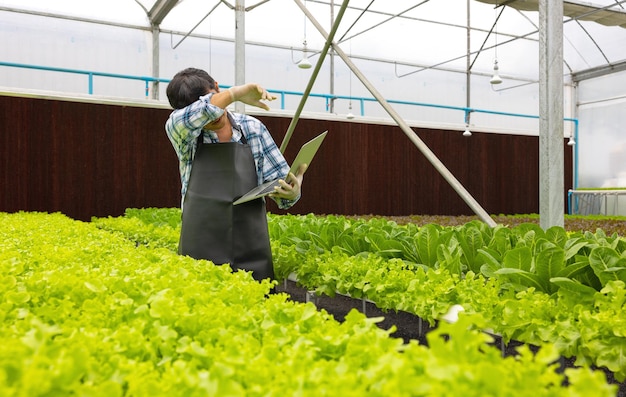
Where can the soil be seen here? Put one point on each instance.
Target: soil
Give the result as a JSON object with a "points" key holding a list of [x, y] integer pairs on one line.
{"points": [[609, 225], [409, 326]]}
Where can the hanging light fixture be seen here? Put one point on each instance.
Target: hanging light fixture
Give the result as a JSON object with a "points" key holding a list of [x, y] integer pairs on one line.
{"points": [[350, 115], [304, 62], [467, 131], [495, 79], [571, 141]]}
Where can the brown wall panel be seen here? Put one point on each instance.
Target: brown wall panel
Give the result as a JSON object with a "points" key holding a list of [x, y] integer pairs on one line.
{"points": [[86, 159]]}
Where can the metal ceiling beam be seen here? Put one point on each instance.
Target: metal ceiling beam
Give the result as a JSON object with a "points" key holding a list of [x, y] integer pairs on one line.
{"points": [[599, 71], [160, 9]]}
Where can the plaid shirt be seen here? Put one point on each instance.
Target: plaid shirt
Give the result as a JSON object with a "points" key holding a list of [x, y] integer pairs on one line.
{"points": [[184, 126]]}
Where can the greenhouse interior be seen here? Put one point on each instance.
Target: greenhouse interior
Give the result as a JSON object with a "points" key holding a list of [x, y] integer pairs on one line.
{"points": [[438, 230], [435, 68]]}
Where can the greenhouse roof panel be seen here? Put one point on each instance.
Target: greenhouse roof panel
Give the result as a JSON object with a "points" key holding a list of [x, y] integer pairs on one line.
{"points": [[608, 13], [415, 34]]}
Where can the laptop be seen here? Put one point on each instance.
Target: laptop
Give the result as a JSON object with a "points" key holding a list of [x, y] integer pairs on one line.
{"points": [[304, 156]]}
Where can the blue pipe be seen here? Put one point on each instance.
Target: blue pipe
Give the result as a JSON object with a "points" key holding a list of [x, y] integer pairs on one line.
{"points": [[89, 74]]}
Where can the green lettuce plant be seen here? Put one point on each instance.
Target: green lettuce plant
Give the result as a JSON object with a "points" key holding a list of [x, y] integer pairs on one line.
{"points": [[86, 311], [519, 278]]}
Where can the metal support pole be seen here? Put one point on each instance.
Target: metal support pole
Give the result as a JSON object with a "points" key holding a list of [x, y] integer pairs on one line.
{"points": [[430, 156], [240, 48], [468, 75], [551, 162], [155, 60], [331, 107]]}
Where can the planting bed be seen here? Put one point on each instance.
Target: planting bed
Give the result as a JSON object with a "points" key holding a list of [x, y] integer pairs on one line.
{"points": [[610, 225], [135, 296], [408, 326]]}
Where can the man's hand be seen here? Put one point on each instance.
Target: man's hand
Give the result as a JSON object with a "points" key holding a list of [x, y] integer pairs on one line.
{"points": [[291, 188], [251, 94]]}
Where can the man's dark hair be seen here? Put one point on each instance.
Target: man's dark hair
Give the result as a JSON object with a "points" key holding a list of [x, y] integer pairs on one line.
{"points": [[187, 86]]}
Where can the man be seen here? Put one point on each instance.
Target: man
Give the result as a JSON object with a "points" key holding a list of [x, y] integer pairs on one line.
{"points": [[223, 155]]}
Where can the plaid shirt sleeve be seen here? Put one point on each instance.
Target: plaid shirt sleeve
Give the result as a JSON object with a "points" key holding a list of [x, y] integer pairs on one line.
{"points": [[183, 128], [270, 162], [185, 125]]}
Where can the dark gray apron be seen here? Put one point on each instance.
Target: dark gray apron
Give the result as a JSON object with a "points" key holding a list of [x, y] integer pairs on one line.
{"points": [[215, 229]]}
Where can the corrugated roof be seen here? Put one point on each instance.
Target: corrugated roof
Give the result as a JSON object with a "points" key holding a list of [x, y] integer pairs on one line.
{"points": [[608, 15]]}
